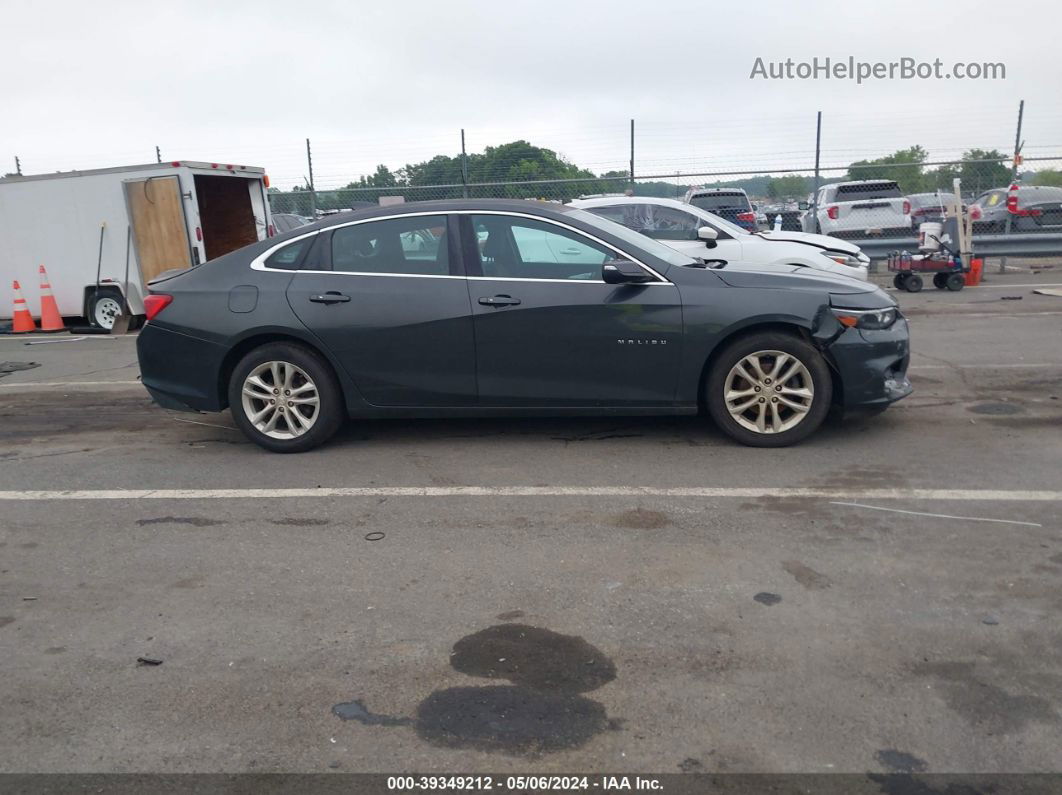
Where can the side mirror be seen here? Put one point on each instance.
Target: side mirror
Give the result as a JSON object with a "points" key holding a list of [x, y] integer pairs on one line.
{"points": [[708, 235], [803, 206], [623, 271]]}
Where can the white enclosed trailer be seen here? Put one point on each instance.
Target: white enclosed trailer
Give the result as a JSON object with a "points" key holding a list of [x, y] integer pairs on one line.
{"points": [[177, 214]]}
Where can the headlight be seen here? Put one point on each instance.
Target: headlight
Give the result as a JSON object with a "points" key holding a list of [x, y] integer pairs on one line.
{"points": [[843, 259], [866, 318]]}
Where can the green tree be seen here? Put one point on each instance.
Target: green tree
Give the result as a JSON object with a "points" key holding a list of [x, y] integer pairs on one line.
{"points": [[903, 166], [983, 169], [790, 186], [1048, 176]]}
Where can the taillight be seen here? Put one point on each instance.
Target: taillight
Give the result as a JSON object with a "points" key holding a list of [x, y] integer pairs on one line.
{"points": [[199, 234], [832, 212], [1012, 203], [746, 216], [265, 180], [155, 303], [906, 207], [271, 231], [975, 213]]}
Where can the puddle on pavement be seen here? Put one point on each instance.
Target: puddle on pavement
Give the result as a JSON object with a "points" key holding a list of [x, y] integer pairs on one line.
{"points": [[540, 712], [996, 409], [355, 710]]}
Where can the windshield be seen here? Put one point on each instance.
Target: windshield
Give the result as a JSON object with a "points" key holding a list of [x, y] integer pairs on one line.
{"points": [[636, 239]]}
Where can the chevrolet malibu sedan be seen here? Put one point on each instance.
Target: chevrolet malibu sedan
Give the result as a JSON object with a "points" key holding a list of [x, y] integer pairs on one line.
{"points": [[509, 308]]}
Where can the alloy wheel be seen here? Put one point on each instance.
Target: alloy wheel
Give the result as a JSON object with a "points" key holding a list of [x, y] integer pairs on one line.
{"points": [[769, 392], [280, 400]]}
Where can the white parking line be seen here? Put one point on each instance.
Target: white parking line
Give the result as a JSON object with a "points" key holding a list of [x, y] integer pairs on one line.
{"points": [[981, 495], [26, 384], [1034, 365]]}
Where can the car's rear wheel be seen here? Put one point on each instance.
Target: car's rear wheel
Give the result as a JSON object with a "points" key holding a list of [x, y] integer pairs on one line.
{"points": [[285, 398], [769, 389]]}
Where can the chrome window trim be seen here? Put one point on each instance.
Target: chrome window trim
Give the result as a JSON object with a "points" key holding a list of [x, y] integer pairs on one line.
{"points": [[258, 263]]}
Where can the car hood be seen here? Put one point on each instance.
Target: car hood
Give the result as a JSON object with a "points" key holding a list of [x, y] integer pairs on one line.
{"points": [[819, 241], [795, 278]]}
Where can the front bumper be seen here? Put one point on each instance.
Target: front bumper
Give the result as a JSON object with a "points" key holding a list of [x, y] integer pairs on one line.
{"points": [[873, 365]]}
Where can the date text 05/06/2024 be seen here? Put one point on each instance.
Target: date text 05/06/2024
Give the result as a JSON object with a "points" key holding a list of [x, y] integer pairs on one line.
{"points": [[601, 783]]}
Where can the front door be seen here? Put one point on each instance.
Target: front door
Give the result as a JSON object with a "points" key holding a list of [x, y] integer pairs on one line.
{"points": [[388, 299], [550, 332]]}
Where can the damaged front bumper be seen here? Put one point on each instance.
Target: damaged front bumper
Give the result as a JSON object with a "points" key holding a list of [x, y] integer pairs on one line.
{"points": [[872, 365]]}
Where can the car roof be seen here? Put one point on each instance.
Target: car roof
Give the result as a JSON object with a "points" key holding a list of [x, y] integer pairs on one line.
{"points": [[440, 206], [610, 200]]}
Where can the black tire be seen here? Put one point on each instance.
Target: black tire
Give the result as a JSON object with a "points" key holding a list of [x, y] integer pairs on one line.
{"points": [[955, 282], [716, 385], [898, 280], [913, 283], [330, 407], [940, 280]]}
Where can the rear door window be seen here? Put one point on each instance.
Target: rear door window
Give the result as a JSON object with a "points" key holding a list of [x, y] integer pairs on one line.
{"points": [[411, 246]]}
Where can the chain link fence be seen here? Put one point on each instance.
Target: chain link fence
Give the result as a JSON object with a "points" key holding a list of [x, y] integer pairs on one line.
{"points": [[859, 202]]}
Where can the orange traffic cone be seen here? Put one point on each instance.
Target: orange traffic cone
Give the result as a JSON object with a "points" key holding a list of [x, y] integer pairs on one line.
{"points": [[51, 320], [21, 319]]}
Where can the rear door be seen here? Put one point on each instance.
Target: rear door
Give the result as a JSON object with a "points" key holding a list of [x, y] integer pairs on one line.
{"points": [[388, 298], [550, 332], [160, 231]]}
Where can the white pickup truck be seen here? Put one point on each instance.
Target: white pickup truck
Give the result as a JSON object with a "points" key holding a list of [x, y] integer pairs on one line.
{"points": [[865, 208]]}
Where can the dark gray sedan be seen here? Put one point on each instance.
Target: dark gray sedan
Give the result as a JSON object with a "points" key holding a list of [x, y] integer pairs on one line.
{"points": [[497, 307]]}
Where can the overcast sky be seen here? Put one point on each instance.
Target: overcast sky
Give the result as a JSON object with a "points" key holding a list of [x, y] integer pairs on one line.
{"points": [[86, 85]]}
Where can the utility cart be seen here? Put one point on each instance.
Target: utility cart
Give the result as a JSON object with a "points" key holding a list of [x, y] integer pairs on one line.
{"points": [[910, 269]]}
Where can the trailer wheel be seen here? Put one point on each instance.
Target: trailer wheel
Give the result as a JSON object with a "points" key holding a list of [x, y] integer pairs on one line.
{"points": [[104, 306], [940, 280], [913, 283], [898, 280], [955, 282]]}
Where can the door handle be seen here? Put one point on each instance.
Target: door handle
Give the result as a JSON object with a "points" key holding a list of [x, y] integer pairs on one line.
{"points": [[331, 297], [500, 300]]}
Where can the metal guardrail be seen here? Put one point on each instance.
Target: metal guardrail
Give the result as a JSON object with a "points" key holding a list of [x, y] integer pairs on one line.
{"points": [[1047, 244]]}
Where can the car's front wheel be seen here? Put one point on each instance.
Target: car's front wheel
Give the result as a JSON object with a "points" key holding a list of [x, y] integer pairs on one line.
{"points": [[285, 398], [769, 389]]}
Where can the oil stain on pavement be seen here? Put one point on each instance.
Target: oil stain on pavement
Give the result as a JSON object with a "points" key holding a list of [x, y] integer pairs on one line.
{"points": [[540, 711]]}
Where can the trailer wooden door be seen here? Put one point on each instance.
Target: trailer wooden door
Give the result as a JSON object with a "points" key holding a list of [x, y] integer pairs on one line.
{"points": [[160, 230]]}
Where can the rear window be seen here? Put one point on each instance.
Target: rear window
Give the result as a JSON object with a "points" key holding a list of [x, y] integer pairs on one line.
{"points": [[870, 190], [927, 200], [721, 201], [288, 257]]}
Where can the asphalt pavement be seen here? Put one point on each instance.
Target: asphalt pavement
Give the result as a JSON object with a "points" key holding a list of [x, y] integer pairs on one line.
{"points": [[541, 595]]}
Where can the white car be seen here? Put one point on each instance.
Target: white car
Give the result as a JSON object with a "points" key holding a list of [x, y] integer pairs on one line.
{"points": [[699, 233], [864, 208]]}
